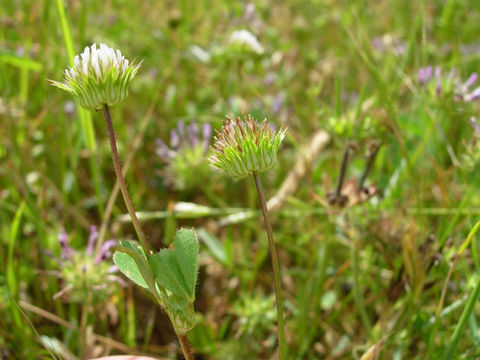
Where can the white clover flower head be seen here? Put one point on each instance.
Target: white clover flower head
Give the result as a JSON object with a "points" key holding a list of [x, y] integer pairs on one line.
{"points": [[244, 146], [246, 39], [99, 77]]}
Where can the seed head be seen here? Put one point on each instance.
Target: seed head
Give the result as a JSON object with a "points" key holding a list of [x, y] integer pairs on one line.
{"points": [[100, 76], [242, 147]]}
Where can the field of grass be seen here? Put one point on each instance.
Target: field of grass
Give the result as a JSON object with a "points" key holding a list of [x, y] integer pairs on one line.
{"points": [[373, 201]]}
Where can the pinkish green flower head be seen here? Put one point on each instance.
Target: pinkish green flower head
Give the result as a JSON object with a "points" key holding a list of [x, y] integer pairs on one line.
{"points": [[243, 147], [99, 77]]}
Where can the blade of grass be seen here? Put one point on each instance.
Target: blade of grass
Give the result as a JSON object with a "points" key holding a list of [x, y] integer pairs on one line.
{"points": [[86, 124], [441, 302], [11, 277], [467, 311]]}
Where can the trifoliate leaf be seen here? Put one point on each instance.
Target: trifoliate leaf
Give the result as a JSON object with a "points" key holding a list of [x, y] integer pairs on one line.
{"points": [[176, 269]]}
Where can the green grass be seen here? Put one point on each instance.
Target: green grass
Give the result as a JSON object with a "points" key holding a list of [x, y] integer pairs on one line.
{"points": [[368, 274]]}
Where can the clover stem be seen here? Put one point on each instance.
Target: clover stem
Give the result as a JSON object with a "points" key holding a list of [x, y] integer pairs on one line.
{"points": [[182, 338], [83, 327], [187, 350], [121, 180], [275, 266], [343, 171]]}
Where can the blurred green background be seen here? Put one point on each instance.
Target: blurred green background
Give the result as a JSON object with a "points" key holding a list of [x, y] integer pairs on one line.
{"points": [[361, 277]]}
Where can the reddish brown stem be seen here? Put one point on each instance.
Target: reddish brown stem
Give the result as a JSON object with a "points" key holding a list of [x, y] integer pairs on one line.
{"points": [[275, 267], [187, 350], [123, 185]]}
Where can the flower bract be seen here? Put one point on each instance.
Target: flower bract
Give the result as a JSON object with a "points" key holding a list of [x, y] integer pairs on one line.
{"points": [[244, 146], [100, 76]]}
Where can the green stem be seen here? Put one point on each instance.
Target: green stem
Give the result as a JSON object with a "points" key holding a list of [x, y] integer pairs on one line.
{"points": [[433, 333], [83, 327], [471, 301], [462, 322], [123, 185], [357, 291], [275, 266]]}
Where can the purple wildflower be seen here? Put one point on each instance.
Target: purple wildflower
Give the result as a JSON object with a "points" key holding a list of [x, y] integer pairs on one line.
{"points": [[104, 251], [83, 269], [474, 95], [192, 131], [424, 75], [186, 157], [174, 138], [388, 42], [164, 151], [92, 239], [207, 135], [278, 102], [471, 80], [421, 76], [476, 127], [183, 138], [67, 252], [450, 82]]}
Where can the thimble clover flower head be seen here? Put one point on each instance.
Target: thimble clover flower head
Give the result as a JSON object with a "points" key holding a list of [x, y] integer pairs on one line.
{"points": [[87, 271], [185, 159], [100, 76], [244, 39], [242, 147]]}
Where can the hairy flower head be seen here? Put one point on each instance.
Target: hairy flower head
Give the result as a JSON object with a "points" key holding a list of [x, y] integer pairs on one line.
{"points": [[185, 158], [100, 76], [86, 271], [246, 40], [449, 84], [245, 146]]}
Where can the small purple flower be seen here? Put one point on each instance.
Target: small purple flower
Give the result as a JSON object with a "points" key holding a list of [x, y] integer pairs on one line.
{"points": [[424, 75], [174, 138], [104, 251], [186, 164], [207, 135], [83, 270], [471, 80], [421, 76], [67, 252], [192, 131], [450, 82], [278, 102], [378, 44], [92, 239], [476, 127], [474, 95], [183, 138], [388, 42]]}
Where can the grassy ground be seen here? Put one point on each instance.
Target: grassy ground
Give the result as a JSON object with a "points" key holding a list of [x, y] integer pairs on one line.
{"points": [[363, 279]]}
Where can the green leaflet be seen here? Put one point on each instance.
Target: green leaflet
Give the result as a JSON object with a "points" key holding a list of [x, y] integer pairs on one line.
{"points": [[131, 261], [176, 269]]}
